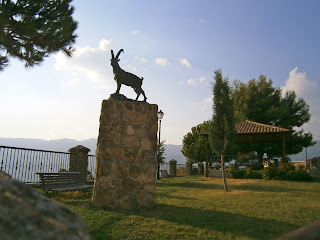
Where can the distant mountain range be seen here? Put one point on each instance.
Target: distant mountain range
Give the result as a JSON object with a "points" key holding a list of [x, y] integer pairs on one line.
{"points": [[172, 151], [313, 151], [63, 145]]}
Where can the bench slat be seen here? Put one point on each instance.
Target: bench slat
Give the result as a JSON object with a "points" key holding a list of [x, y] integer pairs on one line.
{"points": [[66, 181]]}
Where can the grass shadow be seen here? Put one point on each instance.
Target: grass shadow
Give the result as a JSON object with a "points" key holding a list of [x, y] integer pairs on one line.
{"points": [[243, 187], [190, 184], [263, 188], [235, 224]]}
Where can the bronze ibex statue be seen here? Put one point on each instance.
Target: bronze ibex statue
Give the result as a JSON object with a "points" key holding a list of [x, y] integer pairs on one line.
{"points": [[126, 78]]}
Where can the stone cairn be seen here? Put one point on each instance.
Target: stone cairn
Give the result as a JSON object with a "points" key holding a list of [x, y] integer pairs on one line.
{"points": [[79, 160], [173, 167], [126, 156]]}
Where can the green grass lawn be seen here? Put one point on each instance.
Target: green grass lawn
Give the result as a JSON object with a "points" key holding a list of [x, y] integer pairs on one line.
{"points": [[198, 208]]}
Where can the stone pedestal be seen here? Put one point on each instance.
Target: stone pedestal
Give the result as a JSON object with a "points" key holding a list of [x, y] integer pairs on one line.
{"points": [[173, 167], [79, 160], [126, 155]]}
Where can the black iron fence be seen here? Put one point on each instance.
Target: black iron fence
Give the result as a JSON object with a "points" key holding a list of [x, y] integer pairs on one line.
{"points": [[23, 163]]}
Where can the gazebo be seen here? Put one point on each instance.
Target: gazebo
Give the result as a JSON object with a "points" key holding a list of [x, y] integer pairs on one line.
{"points": [[253, 132]]}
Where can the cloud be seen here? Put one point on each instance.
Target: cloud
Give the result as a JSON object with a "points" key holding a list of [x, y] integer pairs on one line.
{"points": [[135, 32], [141, 59], [90, 63], [184, 62], [309, 91], [132, 68], [299, 83], [196, 81], [202, 79], [207, 103], [104, 44], [162, 61], [192, 81], [74, 81]]}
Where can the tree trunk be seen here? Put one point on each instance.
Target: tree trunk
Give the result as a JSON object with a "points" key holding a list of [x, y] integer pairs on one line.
{"points": [[158, 171], [223, 174]]}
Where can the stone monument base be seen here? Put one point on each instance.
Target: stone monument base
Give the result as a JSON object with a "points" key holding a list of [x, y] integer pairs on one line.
{"points": [[125, 173]]}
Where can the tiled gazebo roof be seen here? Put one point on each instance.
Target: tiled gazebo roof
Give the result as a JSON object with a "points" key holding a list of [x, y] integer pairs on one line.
{"points": [[252, 132], [248, 127]]}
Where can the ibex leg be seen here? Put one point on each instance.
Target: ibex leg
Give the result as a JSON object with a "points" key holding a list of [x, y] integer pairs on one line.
{"points": [[145, 98], [118, 87]]}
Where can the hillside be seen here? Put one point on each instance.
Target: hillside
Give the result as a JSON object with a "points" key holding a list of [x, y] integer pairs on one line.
{"points": [[63, 145], [313, 151], [59, 145], [172, 151]]}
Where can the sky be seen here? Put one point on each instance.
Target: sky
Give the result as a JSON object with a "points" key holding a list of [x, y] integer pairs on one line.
{"points": [[175, 46]]}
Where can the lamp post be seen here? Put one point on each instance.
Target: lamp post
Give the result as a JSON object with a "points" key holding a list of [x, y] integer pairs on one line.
{"points": [[205, 135], [160, 116]]}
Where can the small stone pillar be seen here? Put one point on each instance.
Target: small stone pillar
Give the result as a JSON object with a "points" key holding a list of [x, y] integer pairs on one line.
{"points": [[79, 160], [126, 156], [200, 168], [173, 167], [189, 168]]}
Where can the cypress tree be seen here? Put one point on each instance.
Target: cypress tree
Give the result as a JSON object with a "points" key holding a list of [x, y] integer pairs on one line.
{"points": [[222, 130]]}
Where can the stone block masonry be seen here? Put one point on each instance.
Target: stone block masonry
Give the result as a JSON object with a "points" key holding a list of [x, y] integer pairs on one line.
{"points": [[79, 160], [126, 156]]}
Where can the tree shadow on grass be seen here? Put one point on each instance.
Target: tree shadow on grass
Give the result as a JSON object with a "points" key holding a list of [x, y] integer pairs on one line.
{"points": [[227, 223], [212, 221], [264, 188], [169, 194], [242, 187], [188, 184]]}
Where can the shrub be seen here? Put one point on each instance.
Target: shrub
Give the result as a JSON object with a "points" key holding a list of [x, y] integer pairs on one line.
{"points": [[257, 166], [236, 173], [270, 173], [250, 174], [298, 175], [286, 174], [247, 173]]}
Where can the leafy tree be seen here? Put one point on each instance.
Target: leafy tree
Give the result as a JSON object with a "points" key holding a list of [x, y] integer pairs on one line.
{"points": [[222, 129], [194, 145], [256, 101], [31, 30], [160, 156], [260, 102]]}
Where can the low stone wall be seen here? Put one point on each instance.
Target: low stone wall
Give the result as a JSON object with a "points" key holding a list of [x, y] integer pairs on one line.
{"points": [[126, 155]]}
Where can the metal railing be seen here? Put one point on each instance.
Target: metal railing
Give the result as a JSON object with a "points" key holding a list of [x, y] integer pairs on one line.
{"points": [[23, 163]]}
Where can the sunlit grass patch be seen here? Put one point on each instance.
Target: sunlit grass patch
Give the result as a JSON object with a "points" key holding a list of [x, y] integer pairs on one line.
{"points": [[199, 208]]}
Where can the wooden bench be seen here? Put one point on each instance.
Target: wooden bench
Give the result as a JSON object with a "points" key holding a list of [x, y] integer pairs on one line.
{"points": [[64, 181], [164, 173]]}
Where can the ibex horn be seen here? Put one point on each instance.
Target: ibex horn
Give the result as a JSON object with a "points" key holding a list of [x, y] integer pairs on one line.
{"points": [[118, 54], [112, 55]]}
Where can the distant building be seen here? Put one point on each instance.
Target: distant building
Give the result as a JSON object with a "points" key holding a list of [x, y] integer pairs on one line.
{"points": [[311, 163], [298, 163]]}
